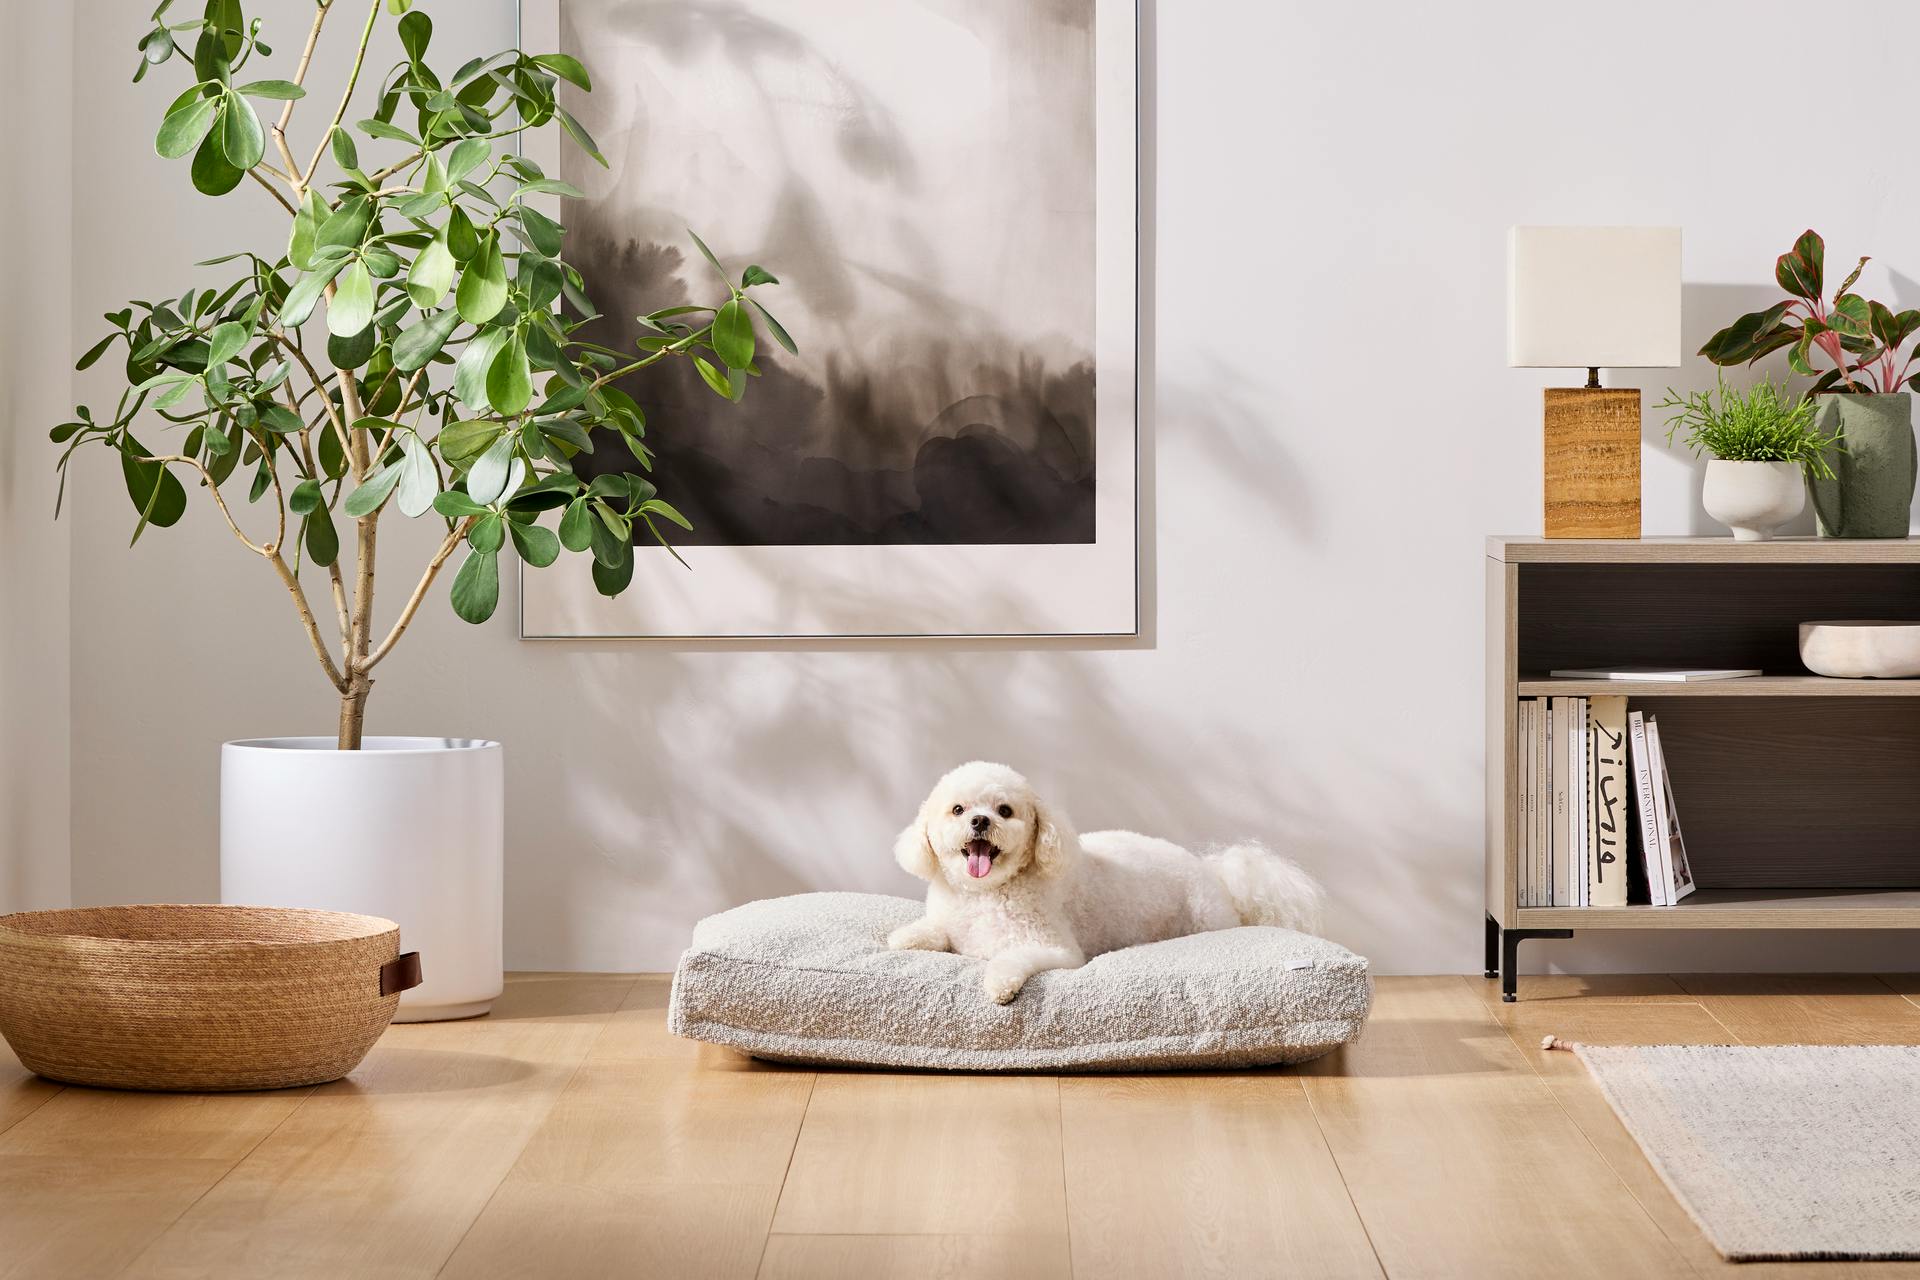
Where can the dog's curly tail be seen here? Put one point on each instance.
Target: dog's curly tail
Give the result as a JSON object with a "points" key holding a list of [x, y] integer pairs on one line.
{"points": [[1267, 888]]}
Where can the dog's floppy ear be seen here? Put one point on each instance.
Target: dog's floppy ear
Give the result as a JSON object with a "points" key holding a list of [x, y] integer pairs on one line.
{"points": [[914, 852], [1055, 846]]}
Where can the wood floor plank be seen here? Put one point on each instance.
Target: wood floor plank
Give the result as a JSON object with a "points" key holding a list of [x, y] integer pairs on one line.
{"points": [[927, 1155], [1459, 1159], [916, 1258], [1590, 988], [21, 1092], [1579, 1096], [1826, 1008], [382, 1173], [75, 1219], [644, 1169], [1223, 1176]]}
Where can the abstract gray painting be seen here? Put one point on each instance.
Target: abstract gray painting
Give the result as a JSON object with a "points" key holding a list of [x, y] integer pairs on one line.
{"points": [[920, 175]]}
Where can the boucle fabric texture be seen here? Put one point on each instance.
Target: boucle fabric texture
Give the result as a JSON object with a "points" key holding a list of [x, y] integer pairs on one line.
{"points": [[1785, 1151], [810, 979]]}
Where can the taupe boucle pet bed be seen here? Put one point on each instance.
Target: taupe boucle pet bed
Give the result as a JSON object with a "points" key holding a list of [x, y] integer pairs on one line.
{"points": [[810, 979]]}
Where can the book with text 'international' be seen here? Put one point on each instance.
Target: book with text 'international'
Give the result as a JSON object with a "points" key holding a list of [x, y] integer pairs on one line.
{"points": [[1645, 780], [1673, 851], [1664, 675], [1612, 806], [1559, 874]]}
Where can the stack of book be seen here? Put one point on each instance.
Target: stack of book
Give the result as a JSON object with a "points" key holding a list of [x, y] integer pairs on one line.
{"points": [[1595, 808]]}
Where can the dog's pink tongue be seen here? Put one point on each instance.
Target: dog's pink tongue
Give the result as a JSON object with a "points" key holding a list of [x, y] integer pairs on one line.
{"points": [[979, 859]]}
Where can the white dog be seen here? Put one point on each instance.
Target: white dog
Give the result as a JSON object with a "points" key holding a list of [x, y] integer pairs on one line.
{"points": [[1010, 883]]}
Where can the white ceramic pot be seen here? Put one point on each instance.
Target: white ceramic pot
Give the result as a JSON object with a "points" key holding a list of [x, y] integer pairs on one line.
{"points": [[1753, 498], [1861, 650], [411, 829]]}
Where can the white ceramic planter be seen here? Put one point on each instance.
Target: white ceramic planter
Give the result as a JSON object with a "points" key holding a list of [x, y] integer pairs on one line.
{"points": [[411, 829], [1753, 498]]}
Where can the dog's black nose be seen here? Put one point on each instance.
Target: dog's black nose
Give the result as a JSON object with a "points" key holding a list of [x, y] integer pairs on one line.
{"points": [[981, 822]]}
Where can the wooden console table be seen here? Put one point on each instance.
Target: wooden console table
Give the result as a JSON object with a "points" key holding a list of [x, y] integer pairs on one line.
{"points": [[1799, 795]]}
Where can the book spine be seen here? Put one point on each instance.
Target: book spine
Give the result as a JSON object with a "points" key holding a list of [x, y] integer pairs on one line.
{"points": [[1611, 805], [1559, 874], [1649, 821], [1677, 876], [1581, 789], [1543, 800], [1526, 804]]}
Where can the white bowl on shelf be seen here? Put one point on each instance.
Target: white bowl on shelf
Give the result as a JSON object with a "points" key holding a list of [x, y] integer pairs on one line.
{"points": [[1860, 649]]}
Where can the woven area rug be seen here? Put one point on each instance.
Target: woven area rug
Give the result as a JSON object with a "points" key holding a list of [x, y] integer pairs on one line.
{"points": [[1792, 1151]]}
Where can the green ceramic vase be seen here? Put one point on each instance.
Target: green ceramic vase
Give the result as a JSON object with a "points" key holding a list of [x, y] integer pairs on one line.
{"points": [[1871, 493]]}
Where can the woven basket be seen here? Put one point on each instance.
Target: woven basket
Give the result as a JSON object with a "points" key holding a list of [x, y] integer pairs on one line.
{"points": [[198, 997]]}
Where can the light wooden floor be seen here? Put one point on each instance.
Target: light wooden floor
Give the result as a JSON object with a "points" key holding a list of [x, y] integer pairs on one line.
{"points": [[570, 1135]]}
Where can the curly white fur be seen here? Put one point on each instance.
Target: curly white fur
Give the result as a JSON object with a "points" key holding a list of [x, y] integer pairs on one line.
{"points": [[1010, 883]]}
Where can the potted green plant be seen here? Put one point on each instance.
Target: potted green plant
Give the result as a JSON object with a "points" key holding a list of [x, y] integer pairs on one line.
{"points": [[1860, 354], [1762, 441], [413, 343]]}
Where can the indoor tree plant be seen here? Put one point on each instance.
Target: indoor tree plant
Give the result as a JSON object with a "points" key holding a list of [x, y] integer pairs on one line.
{"points": [[403, 347], [1762, 440], [1860, 354]]}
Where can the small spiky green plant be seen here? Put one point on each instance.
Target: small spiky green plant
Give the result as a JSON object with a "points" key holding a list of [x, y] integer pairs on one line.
{"points": [[1761, 424]]}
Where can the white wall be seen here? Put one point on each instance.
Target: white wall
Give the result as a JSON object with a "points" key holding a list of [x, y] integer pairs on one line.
{"points": [[1336, 433], [36, 196]]}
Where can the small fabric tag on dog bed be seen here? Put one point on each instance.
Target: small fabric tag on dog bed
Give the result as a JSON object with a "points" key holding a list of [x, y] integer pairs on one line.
{"points": [[810, 979]]}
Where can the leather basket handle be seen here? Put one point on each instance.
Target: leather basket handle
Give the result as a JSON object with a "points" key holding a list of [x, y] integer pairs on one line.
{"points": [[402, 973]]}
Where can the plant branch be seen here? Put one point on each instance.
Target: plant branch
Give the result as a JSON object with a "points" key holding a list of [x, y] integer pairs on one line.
{"points": [[305, 611], [353, 79], [271, 190], [419, 594], [206, 478], [295, 178]]}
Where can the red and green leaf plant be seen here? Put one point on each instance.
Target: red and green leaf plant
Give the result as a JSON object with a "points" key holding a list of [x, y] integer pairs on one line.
{"points": [[416, 346], [1851, 344]]}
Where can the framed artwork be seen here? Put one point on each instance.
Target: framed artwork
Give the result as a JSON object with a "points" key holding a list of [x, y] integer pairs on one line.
{"points": [[947, 193]]}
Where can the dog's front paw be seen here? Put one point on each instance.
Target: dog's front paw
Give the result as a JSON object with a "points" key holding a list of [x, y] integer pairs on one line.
{"points": [[1003, 982], [916, 937]]}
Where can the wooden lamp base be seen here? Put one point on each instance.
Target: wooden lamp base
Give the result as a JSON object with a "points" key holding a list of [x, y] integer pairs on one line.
{"points": [[1593, 462]]}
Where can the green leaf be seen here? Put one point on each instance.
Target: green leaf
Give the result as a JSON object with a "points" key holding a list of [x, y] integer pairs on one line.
{"points": [[470, 371], [156, 494], [280, 419], [576, 526], [656, 506], [537, 546], [610, 581], [354, 351], [306, 227], [345, 154], [184, 126], [384, 130], [322, 539], [1812, 250], [467, 155], [416, 29], [241, 138], [347, 225], [461, 442], [487, 478], [774, 327], [543, 231], [552, 187], [224, 343], [756, 275], [213, 174], [351, 309], [1797, 275], [462, 240], [304, 498], [419, 478], [509, 378], [432, 272], [306, 292], [733, 335], [95, 351], [486, 534], [713, 377], [483, 285], [373, 491], [476, 588], [415, 347], [708, 255], [580, 136], [456, 506], [568, 69], [278, 90]]}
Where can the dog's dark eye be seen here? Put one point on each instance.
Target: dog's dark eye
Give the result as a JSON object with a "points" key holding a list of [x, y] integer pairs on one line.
{"points": [[959, 809], [1006, 811]]}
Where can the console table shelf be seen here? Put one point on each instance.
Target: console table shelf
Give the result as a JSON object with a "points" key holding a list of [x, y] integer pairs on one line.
{"points": [[1800, 794]]}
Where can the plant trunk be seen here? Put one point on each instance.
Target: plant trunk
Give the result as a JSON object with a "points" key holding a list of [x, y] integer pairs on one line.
{"points": [[353, 712]]}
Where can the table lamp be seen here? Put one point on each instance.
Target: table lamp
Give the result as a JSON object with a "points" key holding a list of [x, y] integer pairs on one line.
{"points": [[1593, 298]]}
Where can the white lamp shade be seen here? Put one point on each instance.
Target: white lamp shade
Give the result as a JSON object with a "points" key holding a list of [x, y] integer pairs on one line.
{"points": [[1593, 297]]}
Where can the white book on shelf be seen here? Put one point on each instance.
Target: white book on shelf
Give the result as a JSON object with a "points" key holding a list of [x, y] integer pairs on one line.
{"points": [[1659, 886], [1523, 802], [1612, 803], [1669, 675], [1543, 807], [1560, 874], [1673, 852], [1580, 787]]}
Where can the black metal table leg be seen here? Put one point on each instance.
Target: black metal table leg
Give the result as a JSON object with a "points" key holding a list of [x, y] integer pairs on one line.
{"points": [[1493, 946], [1510, 940]]}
